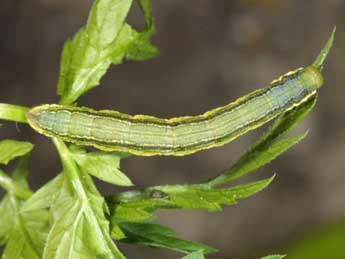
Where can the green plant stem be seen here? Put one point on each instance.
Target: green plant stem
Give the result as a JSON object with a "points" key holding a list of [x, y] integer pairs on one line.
{"points": [[71, 169], [13, 112]]}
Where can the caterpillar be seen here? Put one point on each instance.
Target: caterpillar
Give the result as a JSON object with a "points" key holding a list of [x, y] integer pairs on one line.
{"points": [[147, 136]]}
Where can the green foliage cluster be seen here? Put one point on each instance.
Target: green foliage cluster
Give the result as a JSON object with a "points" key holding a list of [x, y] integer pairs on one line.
{"points": [[67, 217]]}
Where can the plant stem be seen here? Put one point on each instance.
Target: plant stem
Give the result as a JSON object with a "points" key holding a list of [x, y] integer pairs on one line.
{"points": [[13, 112], [71, 169]]}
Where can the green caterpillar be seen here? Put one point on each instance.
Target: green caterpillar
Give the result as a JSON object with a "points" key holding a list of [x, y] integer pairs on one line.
{"points": [[146, 135]]}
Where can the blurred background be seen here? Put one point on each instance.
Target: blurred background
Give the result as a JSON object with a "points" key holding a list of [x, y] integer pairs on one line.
{"points": [[211, 53]]}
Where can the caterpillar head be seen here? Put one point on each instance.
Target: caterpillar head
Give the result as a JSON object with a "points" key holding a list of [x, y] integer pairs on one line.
{"points": [[312, 77]]}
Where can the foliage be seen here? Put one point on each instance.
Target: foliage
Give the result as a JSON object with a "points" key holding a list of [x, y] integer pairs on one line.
{"points": [[67, 217]]}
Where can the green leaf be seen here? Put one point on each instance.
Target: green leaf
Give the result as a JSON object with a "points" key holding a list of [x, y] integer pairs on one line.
{"points": [[80, 228], [318, 63], [154, 235], [116, 232], [142, 49], [139, 207], [190, 197], [6, 222], [132, 213], [105, 21], [16, 188], [36, 211], [13, 187], [137, 45], [127, 36], [106, 39], [37, 225], [19, 244], [195, 255], [23, 234], [21, 172], [145, 6], [17, 185], [86, 58], [273, 257], [44, 197], [10, 149], [103, 165], [268, 147]]}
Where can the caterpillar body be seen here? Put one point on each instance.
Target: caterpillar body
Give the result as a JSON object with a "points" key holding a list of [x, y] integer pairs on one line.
{"points": [[146, 135]]}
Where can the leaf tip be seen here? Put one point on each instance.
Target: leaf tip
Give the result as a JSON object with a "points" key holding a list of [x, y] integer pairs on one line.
{"points": [[318, 63]]}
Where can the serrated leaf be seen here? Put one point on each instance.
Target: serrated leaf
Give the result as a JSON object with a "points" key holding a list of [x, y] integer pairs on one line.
{"points": [[37, 225], [88, 55], [155, 235], [27, 234], [23, 234], [273, 257], [116, 232], [142, 49], [195, 255], [132, 213], [180, 197], [103, 165], [190, 197], [44, 197], [126, 37], [106, 39], [17, 185], [10, 149], [21, 171], [105, 21], [6, 222], [80, 229], [13, 187], [138, 206], [18, 244]]}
